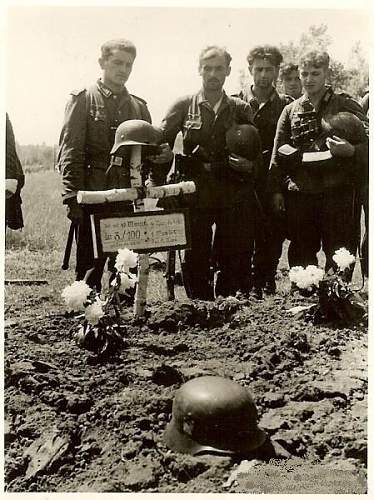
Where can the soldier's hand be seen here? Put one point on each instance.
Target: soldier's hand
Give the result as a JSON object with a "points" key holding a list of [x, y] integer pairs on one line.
{"points": [[165, 155], [278, 203], [74, 211], [241, 164], [340, 147], [292, 186], [10, 187]]}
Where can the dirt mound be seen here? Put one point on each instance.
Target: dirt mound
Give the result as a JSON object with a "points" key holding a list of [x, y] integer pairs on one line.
{"points": [[74, 422]]}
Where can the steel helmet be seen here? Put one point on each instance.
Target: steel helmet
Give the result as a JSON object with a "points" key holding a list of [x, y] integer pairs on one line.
{"points": [[213, 414], [345, 125], [244, 140], [136, 132]]}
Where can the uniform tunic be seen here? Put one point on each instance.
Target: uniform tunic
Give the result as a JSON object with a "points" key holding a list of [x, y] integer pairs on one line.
{"points": [[324, 208], [13, 170], [223, 196], [91, 118], [268, 245]]}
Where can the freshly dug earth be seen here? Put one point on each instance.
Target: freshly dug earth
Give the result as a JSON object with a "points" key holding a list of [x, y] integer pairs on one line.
{"points": [[76, 423]]}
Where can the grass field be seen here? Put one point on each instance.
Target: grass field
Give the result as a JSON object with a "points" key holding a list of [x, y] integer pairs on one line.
{"points": [[37, 250]]}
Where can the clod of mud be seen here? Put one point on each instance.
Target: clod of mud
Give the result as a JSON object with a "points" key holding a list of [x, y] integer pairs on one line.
{"points": [[172, 317], [45, 452], [167, 376]]}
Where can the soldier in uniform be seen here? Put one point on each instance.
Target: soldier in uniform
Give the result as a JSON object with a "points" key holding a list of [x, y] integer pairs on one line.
{"points": [[320, 197], [225, 194], [290, 79], [364, 195], [92, 116], [267, 105], [14, 181]]}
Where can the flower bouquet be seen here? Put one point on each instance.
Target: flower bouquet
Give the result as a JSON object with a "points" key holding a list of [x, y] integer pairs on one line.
{"points": [[102, 331], [337, 301]]}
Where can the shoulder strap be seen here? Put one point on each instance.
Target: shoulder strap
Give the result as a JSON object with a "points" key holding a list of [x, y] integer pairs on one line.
{"points": [[137, 108]]}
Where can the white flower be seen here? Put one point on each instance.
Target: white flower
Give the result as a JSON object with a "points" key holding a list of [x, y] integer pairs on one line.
{"points": [[128, 280], [75, 295], [94, 312], [125, 260], [315, 274], [343, 258], [306, 278], [294, 273]]}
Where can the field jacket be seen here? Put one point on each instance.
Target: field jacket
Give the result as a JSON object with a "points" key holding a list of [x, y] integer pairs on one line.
{"points": [[202, 127], [316, 178], [13, 170], [91, 118]]}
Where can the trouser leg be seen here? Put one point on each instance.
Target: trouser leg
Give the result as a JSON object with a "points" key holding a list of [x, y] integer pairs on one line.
{"points": [[233, 243], [303, 227], [268, 249], [339, 222], [365, 240], [196, 266], [85, 257]]}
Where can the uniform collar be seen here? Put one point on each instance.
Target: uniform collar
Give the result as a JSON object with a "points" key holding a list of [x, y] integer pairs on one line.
{"points": [[325, 98], [202, 99], [107, 92], [251, 97]]}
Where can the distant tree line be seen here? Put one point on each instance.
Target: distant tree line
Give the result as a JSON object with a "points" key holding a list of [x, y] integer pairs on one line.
{"points": [[37, 157], [353, 78]]}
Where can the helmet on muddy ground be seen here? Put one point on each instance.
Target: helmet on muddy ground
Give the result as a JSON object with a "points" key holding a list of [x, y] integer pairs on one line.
{"points": [[243, 140], [215, 415], [136, 132]]}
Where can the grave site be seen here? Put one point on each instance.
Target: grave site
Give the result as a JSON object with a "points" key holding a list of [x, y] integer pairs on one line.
{"points": [[89, 390]]}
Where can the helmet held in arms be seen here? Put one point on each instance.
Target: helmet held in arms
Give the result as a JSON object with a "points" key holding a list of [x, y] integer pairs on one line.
{"points": [[244, 140], [136, 132], [346, 126], [215, 415]]}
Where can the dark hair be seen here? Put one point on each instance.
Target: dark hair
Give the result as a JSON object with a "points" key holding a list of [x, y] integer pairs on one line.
{"points": [[268, 52], [120, 44], [315, 58], [216, 50], [287, 69]]}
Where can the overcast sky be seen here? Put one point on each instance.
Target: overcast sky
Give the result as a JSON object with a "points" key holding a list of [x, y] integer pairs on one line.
{"points": [[52, 49]]}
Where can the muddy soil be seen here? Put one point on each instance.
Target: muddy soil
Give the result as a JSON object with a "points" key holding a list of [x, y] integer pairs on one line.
{"points": [[76, 423]]}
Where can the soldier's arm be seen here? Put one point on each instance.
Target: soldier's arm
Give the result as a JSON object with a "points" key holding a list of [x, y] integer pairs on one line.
{"points": [[244, 114], [277, 177], [13, 167], [159, 165], [72, 145], [360, 152], [173, 120]]}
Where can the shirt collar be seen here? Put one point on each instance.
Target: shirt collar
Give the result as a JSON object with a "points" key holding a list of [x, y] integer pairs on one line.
{"points": [[202, 99], [252, 97], [326, 96], [107, 92]]}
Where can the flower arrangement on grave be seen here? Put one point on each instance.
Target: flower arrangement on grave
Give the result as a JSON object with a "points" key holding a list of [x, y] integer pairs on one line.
{"points": [[338, 302], [102, 330]]}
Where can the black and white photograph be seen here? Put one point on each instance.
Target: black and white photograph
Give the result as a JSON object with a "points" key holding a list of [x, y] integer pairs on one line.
{"points": [[186, 248]]}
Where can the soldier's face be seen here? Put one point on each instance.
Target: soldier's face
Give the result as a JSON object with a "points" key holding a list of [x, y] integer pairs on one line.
{"points": [[263, 73], [292, 84], [214, 71], [117, 68], [313, 79]]}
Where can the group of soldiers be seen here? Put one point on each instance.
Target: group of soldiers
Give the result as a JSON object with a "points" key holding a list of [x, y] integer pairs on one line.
{"points": [[243, 208]]}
